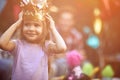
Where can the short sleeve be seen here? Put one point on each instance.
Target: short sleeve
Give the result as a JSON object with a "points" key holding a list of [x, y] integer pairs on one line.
{"points": [[14, 51], [48, 44]]}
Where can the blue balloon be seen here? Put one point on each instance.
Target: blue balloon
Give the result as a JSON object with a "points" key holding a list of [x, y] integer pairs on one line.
{"points": [[93, 41]]}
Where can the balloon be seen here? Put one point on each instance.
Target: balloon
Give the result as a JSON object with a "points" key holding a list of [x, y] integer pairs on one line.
{"points": [[93, 41], [108, 71], [74, 58], [88, 69]]}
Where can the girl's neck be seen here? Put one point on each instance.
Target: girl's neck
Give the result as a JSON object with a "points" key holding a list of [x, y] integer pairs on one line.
{"points": [[31, 43]]}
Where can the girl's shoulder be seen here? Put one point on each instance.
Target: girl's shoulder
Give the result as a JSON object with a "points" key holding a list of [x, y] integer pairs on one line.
{"points": [[21, 43], [17, 40]]}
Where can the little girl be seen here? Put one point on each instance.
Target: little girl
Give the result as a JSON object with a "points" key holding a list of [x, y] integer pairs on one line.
{"points": [[31, 51]]}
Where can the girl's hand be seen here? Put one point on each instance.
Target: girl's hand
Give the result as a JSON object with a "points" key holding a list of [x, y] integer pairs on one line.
{"points": [[20, 15], [19, 21], [51, 21]]}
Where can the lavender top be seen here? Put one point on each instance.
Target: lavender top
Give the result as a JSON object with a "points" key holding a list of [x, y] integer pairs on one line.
{"points": [[29, 60]]}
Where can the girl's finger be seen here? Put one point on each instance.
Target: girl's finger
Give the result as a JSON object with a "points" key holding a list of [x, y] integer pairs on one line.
{"points": [[20, 15], [48, 16]]}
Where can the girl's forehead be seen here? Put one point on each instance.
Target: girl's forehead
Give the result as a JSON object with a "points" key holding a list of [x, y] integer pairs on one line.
{"points": [[33, 22]]}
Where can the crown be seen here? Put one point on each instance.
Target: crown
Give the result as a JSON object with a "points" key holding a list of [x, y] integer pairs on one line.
{"points": [[34, 9]]}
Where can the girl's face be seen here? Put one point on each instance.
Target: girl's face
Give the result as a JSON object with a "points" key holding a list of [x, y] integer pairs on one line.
{"points": [[32, 31]]}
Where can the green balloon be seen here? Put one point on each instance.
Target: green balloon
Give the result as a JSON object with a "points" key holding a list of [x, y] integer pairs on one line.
{"points": [[87, 69], [108, 71]]}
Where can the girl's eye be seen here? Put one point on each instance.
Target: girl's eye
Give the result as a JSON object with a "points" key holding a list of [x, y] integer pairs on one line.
{"points": [[27, 24], [36, 25]]}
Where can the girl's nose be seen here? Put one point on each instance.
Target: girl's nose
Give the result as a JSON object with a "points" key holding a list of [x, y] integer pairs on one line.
{"points": [[31, 28]]}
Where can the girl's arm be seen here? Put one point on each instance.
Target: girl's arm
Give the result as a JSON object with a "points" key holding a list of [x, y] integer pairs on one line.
{"points": [[5, 39], [59, 46]]}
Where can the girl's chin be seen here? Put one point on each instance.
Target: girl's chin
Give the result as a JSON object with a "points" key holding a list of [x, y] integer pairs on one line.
{"points": [[32, 41]]}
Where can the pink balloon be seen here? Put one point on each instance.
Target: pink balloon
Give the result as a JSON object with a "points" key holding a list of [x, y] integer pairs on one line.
{"points": [[74, 58]]}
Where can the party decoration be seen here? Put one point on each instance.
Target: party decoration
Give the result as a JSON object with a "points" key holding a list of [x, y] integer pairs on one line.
{"points": [[98, 25], [88, 69], [74, 58], [34, 9], [108, 71], [93, 41]]}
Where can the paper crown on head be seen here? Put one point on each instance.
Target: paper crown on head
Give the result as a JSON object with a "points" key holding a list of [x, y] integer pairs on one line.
{"points": [[34, 9]]}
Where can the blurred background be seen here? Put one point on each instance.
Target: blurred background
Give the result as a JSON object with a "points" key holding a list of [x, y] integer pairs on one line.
{"points": [[97, 23]]}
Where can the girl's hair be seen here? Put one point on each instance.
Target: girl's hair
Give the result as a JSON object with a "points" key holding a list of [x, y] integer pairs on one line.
{"points": [[45, 33]]}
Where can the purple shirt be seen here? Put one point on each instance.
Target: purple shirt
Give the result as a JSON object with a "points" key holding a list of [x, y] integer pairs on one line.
{"points": [[29, 60]]}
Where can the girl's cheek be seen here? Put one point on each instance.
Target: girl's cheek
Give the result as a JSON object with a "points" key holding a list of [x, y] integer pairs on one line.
{"points": [[39, 29]]}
